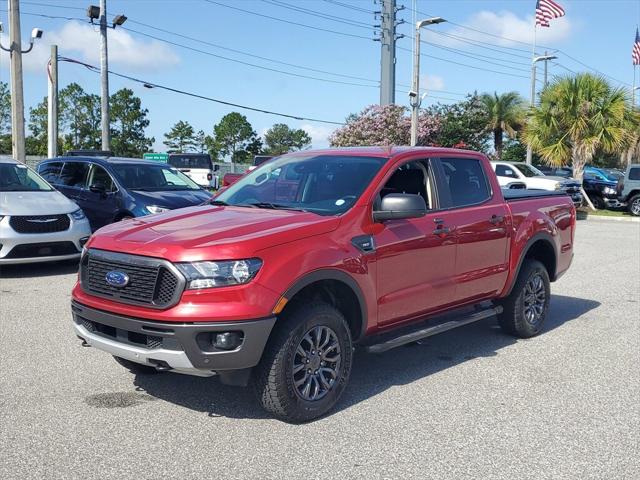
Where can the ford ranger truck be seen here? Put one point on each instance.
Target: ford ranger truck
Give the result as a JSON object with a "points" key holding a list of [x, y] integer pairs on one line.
{"points": [[277, 279]]}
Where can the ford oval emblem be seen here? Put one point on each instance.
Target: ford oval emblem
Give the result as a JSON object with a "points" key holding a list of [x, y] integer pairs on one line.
{"points": [[117, 279]]}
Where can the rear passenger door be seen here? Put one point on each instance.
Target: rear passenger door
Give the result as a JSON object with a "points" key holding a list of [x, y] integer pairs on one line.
{"points": [[73, 179], [482, 229]]}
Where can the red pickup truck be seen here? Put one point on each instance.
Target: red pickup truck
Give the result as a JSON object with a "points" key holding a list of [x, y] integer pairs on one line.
{"points": [[283, 274]]}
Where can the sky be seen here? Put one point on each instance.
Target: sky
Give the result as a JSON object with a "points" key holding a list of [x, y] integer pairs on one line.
{"points": [[318, 59]]}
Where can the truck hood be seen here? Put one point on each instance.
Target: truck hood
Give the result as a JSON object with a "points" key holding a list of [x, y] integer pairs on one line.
{"points": [[210, 233], [35, 203]]}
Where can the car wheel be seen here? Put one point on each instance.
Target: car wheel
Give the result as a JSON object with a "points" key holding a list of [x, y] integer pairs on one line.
{"points": [[136, 368], [598, 202], [526, 307], [634, 205], [306, 364]]}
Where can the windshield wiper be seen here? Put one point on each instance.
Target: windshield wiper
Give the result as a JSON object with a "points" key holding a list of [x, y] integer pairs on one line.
{"points": [[274, 206], [218, 202]]}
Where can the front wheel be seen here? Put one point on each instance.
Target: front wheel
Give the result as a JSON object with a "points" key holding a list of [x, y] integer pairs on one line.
{"points": [[306, 364], [598, 202], [526, 307], [634, 205]]}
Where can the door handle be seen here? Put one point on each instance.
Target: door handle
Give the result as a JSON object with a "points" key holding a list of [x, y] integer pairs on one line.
{"points": [[442, 231], [496, 219]]}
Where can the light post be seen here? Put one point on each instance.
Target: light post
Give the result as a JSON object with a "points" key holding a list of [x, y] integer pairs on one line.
{"points": [[414, 95], [543, 58], [100, 13], [18, 147], [633, 97]]}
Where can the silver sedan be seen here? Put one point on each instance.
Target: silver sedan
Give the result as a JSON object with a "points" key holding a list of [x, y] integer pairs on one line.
{"points": [[37, 223]]}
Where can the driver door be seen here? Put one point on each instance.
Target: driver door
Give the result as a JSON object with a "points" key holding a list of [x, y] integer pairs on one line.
{"points": [[99, 207], [415, 257]]}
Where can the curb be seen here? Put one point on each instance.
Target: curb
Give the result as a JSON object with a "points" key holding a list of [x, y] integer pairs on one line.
{"points": [[602, 218]]}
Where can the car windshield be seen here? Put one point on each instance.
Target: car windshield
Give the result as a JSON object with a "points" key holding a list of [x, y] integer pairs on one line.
{"points": [[152, 178], [529, 170], [19, 178], [322, 184], [190, 161]]}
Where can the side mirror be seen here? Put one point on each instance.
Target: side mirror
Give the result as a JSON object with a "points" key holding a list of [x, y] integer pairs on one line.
{"points": [[400, 205], [98, 188]]}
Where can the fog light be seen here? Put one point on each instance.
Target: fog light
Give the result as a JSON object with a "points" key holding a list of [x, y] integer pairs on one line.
{"points": [[227, 340]]}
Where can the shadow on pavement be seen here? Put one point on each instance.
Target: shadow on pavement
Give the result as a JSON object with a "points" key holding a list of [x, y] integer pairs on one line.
{"points": [[47, 269], [371, 374]]}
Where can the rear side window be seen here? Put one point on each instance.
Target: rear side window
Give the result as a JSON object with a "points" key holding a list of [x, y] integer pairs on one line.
{"points": [[74, 174], [634, 174], [504, 171], [191, 161], [50, 171], [467, 182]]}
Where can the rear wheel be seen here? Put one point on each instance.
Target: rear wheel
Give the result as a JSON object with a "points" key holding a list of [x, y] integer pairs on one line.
{"points": [[634, 205], [526, 307], [306, 365], [134, 367]]}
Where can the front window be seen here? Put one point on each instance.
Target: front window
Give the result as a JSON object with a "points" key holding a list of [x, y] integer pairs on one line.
{"points": [[529, 170], [152, 178], [322, 184], [20, 178]]}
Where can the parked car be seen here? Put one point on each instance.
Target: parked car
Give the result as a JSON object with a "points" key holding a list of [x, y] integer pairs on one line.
{"points": [[601, 189], [534, 179], [314, 253], [37, 223], [629, 189], [197, 166], [113, 189]]}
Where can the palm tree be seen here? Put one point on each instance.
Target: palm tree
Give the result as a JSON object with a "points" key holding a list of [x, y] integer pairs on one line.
{"points": [[577, 116], [506, 114]]}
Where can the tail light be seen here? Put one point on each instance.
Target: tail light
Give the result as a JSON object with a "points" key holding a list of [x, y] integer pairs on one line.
{"points": [[209, 176]]}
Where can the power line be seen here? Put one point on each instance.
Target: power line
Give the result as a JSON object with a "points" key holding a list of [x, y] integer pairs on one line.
{"points": [[148, 84], [481, 44], [492, 60], [315, 13], [353, 35], [351, 7]]}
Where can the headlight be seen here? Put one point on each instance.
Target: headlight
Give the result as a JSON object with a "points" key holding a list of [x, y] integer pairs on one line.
{"points": [[156, 209], [609, 190], [558, 186], [219, 274], [78, 215]]}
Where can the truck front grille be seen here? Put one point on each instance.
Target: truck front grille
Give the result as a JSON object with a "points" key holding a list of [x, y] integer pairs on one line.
{"points": [[40, 223], [151, 282]]}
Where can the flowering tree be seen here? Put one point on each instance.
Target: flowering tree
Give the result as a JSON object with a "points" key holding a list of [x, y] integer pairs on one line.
{"points": [[383, 125]]}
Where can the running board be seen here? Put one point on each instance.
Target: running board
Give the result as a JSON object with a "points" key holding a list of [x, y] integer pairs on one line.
{"points": [[434, 330]]}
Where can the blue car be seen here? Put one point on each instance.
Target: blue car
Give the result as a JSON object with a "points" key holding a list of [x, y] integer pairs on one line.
{"points": [[109, 189]]}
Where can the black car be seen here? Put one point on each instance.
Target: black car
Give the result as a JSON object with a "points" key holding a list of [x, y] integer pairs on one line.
{"points": [[112, 189]]}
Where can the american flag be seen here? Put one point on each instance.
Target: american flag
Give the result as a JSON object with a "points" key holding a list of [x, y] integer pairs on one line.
{"points": [[546, 10], [635, 54]]}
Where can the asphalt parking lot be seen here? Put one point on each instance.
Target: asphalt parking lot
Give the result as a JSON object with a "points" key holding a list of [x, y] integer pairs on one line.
{"points": [[471, 403]]}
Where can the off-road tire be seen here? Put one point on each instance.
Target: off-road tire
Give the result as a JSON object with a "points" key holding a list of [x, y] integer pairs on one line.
{"points": [[136, 368], [513, 319], [273, 378]]}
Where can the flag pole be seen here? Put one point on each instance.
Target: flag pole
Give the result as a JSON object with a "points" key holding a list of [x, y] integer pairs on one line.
{"points": [[533, 83]]}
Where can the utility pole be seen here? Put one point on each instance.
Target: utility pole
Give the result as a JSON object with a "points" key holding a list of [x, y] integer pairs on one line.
{"points": [[104, 78], [52, 103], [388, 52], [17, 91]]}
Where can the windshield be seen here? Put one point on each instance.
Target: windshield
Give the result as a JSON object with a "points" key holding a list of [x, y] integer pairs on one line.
{"points": [[322, 184], [153, 178], [190, 161], [18, 178], [529, 170]]}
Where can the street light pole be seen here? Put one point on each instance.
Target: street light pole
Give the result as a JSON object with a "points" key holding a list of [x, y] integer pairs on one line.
{"points": [[18, 148], [104, 78], [535, 60], [414, 95]]}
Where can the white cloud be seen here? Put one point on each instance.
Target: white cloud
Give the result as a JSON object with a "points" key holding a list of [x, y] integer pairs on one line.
{"points": [[81, 41], [431, 82], [505, 24], [319, 134]]}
